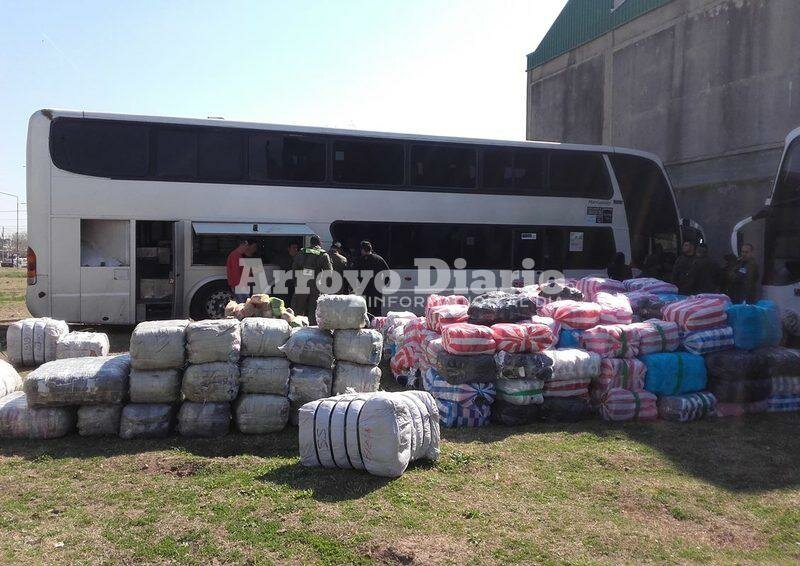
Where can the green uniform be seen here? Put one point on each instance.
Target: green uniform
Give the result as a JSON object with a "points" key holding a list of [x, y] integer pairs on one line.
{"points": [[308, 263]]}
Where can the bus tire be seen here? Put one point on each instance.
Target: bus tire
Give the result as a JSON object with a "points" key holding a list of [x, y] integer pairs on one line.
{"points": [[209, 301]]}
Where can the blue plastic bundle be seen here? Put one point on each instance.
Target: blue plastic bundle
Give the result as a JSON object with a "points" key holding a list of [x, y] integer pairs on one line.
{"points": [[456, 415], [673, 373], [569, 338], [755, 325], [667, 298]]}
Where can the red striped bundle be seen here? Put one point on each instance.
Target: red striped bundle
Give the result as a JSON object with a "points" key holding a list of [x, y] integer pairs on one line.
{"points": [[612, 340], [403, 361], [657, 336], [697, 313], [430, 350], [590, 286], [720, 296], [649, 285], [380, 323], [573, 387], [614, 309], [413, 331], [464, 338], [523, 337], [619, 373], [625, 405], [446, 314], [439, 300], [573, 313]]}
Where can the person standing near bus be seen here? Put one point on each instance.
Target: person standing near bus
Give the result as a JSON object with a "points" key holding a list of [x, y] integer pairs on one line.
{"points": [[339, 263], [307, 265], [371, 262], [744, 287], [618, 269], [234, 269], [682, 271], [285, 262], [705, 272]]}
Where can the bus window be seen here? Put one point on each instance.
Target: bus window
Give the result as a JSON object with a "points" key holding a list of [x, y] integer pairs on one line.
{"points": [[101, 148], [221, 156], [782, 230], [368, 162], [529, 170], [176, 154], [579, 174], [498, 168], [286, 158], [443, 166]]}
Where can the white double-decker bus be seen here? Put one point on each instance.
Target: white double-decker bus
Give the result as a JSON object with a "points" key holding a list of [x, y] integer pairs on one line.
{"points": [[132, 217]]}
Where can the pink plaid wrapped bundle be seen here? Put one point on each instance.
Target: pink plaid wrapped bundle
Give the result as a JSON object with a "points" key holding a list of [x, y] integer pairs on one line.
{"points": [[697, 313], [590, 286], [439, 300], [445, 314], [431, 346], [524, 337], [413, 331], [649, 285], [464, 339], [657, 336], [614, 309], [612, 340], [718, 296], [404, 360], [573, 387], [625, 405], [380, 323], [573, 313], [618, 373]]}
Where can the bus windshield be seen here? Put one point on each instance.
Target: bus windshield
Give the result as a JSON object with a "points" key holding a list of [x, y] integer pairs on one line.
{"points": [[782, 243]]}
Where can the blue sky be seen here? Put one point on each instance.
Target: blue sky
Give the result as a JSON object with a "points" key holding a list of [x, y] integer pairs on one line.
{"points": [[428, 66]]}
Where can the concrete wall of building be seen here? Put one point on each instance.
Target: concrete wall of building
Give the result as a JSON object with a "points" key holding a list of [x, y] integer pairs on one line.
{"points": [[711, 86]]}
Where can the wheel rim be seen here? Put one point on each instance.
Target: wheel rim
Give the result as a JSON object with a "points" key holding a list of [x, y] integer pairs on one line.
{"points": [[215, 304]]}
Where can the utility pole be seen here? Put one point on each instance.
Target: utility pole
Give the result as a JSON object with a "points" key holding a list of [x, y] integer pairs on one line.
{"points": [[17, 236]]}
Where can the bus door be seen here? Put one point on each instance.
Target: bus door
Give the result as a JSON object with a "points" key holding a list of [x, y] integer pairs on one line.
{"points": [[105, 272], [159, 277]]}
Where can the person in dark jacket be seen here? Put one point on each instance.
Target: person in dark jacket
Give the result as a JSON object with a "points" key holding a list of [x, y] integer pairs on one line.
{"points": [[618, 269], [705, 272], [307, 265], [370, 264], [339, 262], [653, 262], [745, 276], [682, 271]]}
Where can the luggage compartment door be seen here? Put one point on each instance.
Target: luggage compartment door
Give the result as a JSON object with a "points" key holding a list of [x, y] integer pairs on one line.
{"points": [[105, 271]]}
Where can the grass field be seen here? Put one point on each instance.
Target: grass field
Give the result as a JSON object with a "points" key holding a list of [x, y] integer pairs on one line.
{"points": [[724, 491]]}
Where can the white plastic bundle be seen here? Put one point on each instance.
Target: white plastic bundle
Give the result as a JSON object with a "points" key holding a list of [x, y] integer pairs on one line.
{"points": [[264, 336], [360, 378], [146, 420], [362, 346], [79, 381], [215, 382], [335, 312], [520, 391], [154, 386], [213, 341], [10, 381], [32, 341], [377, 432], [310, 346], [158, 344], [18, 420], [264, 375], [571, 363], [205, 420], [82, 344], [261, 414], [308, 383], [99, 420]]}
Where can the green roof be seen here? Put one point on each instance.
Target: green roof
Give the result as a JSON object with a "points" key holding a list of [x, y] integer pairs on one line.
{"points": [[584, 20]]}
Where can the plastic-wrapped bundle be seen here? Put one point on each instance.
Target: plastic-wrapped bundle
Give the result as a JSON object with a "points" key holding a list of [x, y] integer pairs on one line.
{"points": [[263, 337], [466, 369], [465, 393], [500, 306], [520, 391], [549, 322], [565, 409], [740, 390], [457, 415], [269, 376], [379, 323], [467, 339], [741, 409], [706, 341], [309, 383], [33, 341], [146, 420], [339, 312], [205, 420], [785, 385], [619, 373], [696, 314], [310, 346], [99, 420], [523, 366], [19, 420], [405, 360], [509, 414], [668, 298], [429, 350], [573, 314], [734, 365], [550, 292], [82, 345], [625, 405], [414, 330], [569, 338], [779, 361], [637, 298], [590, 286], [443, 315], [261, 414], [213, 341], [154, 386], [214, 382], [614, 309], [783, 403], [10, 381], [650, 307], [687, 407], [674, 373], [612, 340], [439, 300], [755, 325], [361, 378], [657, 336], [522, 337], [158, 344], [575, 387], [79, 381], [572, 364], [363, 346], [377, 432], [649, 285]]}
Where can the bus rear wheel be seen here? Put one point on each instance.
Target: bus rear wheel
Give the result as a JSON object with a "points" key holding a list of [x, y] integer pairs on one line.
{"points": [[210, 300]]}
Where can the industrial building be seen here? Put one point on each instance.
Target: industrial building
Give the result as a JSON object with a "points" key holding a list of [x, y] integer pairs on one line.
{"points": [[710, 86]]}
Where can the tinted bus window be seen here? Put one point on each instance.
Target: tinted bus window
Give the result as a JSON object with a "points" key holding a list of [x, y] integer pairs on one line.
{"points": [[176, 154], [286, 158], [498, 168], [368, 162], [579, 174], [782, 234], [529, 170], [97, 147], [220, 156], [443, 166]]}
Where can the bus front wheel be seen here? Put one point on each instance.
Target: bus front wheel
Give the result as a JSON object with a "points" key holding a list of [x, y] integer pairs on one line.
{"points": [[210, 301]]}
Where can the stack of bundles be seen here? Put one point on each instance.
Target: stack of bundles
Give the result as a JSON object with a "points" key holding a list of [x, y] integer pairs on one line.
{"points": [[406, 361], [310, 350], [501, 306], [98, 386], [566, 388], [377, 432], [33, 341], [625, 405], [590, 286], [614, 309], [738, 379], [157, 360], [358, 354], [755, 326], [612, 340], [82, 345], [211, 381], [572, 314], [649, 285], [460, 404], [442, 315], [404, 365], [687, 407], [18, 420], [704, 342], [783, 369], [657, 336], [697, 313], [263, 402], [429, 351], [520, 387]]}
